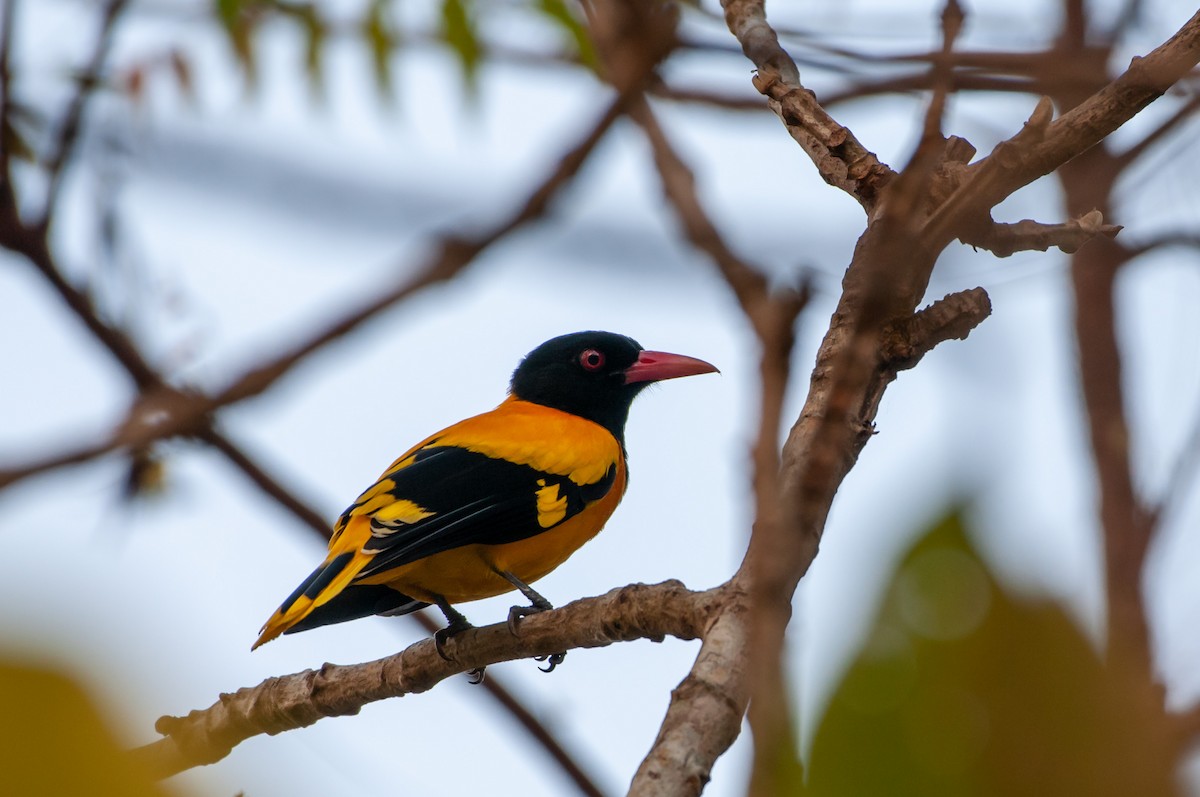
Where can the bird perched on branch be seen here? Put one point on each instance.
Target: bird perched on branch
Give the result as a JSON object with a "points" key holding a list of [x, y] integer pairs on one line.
{"points": [[492, 503]]}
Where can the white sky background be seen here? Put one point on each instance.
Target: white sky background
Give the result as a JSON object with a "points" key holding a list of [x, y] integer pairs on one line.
{"points": [[250, 221]]}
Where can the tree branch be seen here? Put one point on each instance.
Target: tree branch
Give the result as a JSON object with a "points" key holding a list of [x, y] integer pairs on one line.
{"points": [[295, 701], [1003, 240], [840, 158], [697, 729], [705, 714], [1187, 463], [1043, 146], [1181, 238], [949, 318], [679, 185], [527, 720], [450, 257], [7, 22]]}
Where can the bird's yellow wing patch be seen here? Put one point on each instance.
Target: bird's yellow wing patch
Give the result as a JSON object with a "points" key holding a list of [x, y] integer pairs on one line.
{"points": [[551, 505]]}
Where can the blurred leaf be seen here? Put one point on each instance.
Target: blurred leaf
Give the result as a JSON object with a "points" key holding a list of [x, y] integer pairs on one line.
{"points": [[12, 141], [458, 29], [237, 19], [960, 689], [560, 14], [181, 69], [381, 41], [135, 83], [145, 474], [53, 741], [777, 769], [315, 32]]}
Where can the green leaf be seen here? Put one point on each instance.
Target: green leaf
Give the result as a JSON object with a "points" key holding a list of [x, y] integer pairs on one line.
{"points": [[54, 740], [315, 33], [237, 20], [458, 29], [962, 689], [381, 41], [558, 12]]}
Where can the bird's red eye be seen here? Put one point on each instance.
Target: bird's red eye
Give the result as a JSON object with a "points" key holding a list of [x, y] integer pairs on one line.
{"points": [[591, 360]]}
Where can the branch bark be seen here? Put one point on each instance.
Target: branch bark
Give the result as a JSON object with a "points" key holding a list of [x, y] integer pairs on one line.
{"points": [[295, 701], [1003, 240]]}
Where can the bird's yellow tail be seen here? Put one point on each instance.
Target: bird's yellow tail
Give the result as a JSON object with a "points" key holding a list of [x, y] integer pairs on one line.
{"points": [[322, 585]]}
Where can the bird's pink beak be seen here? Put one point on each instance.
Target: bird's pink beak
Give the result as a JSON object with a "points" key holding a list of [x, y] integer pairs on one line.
{"points": [[652, 366]]}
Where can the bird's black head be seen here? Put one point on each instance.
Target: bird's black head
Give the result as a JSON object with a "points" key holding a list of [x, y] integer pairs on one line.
{"points": [[596, 375]]}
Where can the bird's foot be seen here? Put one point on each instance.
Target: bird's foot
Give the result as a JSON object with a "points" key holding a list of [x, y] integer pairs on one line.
{"points": [[537, 604], [455, 624], [518, 613], [441, 636]]}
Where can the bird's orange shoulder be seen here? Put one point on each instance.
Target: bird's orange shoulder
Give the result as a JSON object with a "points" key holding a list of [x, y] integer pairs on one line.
{"points": [[546, 439]]}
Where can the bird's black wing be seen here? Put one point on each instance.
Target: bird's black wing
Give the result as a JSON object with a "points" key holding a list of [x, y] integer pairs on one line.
{"points": [[448, 496]]}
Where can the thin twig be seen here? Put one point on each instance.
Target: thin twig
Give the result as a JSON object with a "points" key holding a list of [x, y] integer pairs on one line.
{"points": [[1182, 114], [265, 482], [8, 21], [1182, 475], [70, 128], [1180, 238], [449, 258], [527, 720], [679, 185]]}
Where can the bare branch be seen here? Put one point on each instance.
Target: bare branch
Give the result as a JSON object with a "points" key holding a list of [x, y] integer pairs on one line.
{"points": [[1169, 125], [840, 158], [1043, 146], [31, 242], [950, 318], [1003, 240], [1178, 238], [705, 714], [12, 475], [185, 413], [1182, 476], [1187, 726], [679, 184], [906, 193], [698, 96], [450, 257], [265, 482], [295, 701], [8, 20], [529, 721], [68, 132]]}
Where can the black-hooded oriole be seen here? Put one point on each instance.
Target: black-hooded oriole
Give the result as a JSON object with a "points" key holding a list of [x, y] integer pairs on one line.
{"points": [[492, 503]]}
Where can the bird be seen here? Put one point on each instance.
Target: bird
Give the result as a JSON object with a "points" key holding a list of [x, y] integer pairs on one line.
{"points": [[492, 503]]}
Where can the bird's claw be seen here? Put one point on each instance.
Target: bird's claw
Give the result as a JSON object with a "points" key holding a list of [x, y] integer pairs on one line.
{"points": [[439, 643], [552, 660], [474, 676], [518, 613]]}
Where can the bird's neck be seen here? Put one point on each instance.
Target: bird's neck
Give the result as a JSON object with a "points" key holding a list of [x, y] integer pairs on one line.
{"points": [[611, 416]]}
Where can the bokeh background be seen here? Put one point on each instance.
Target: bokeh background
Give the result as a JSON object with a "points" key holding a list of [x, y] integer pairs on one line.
{"points": [[225, 203]]}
